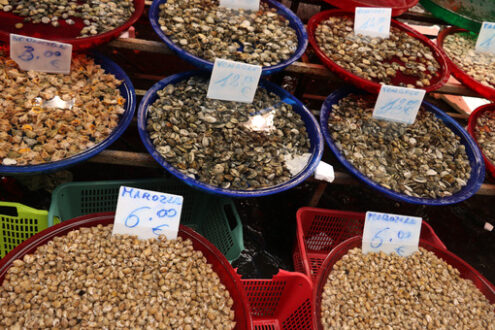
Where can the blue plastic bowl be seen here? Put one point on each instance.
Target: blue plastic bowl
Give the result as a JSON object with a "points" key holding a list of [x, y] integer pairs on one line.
{"points": [[294, 22], [473, 153], [311, 126], [126, 91]]}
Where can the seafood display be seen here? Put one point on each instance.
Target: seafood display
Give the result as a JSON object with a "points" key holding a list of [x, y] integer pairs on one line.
{"points": [[376, 59], [422, 291], [460, 47], [231, 145], [485, 134], [91, 279], [425, 159], [208, 31], [47, 117], [98, 16]]}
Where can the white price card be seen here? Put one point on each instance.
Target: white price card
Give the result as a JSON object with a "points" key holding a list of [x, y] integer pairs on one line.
{"points": [[486, 38], [391, 233], [147, 214], [399, 104], [40, 55], [233, 81], [373, 22], [241, 4]]}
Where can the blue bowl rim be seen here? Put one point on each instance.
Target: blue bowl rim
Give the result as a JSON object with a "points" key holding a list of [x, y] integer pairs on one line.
{"points": [[476, 161], [306, 116], [130, 95], [295, 23]]}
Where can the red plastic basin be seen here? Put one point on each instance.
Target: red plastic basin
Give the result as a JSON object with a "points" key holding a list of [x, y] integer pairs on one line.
{"points": [[466, 271], [214, 257], [368, 85], [399, 7], [64, 33], [473, 121], [468, 81]]}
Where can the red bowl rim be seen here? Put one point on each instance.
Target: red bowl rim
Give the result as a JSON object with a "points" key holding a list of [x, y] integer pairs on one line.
{"points": [[356, 242], [64, 227], [93, 41], [472, 123], [368, 85], [396, 10], [457, 72]]}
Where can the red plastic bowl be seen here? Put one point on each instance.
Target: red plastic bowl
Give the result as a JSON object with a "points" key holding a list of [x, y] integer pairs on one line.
{"points": [[485, 91], [399, 7], [473, 120], [64, 33], [466, 271], [214, 257], [319, 231], [368, 85]]}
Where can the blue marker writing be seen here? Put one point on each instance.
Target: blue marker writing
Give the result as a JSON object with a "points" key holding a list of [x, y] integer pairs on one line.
{"points": [[128, 221]]}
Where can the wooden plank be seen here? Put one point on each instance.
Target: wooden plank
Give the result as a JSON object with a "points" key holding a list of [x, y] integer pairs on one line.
{"points": [[118, 157], [142, 45], [315, 199]]}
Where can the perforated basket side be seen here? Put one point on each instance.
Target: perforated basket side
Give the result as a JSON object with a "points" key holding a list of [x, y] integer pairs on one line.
{"points": [[220, 223], [283, 302], [296, 259], [19, 224]]}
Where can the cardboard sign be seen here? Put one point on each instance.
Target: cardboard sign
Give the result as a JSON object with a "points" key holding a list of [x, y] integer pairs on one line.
{"points": [[241, 4], [486, 38], [391, 233], [40, 55], [398, 104], [373, 22], [147, 214], [233, 81]]}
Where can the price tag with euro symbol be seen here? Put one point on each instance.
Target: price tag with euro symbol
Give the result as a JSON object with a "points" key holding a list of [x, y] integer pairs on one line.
{"points": [[40, 55], [233, 81]]}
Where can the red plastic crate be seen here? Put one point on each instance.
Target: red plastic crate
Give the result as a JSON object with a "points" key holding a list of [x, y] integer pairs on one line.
{"points": [[283, 302], [320, 230]]}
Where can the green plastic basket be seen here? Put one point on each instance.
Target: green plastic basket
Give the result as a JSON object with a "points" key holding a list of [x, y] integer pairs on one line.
{"points": [[214, 217], [18, 223]]}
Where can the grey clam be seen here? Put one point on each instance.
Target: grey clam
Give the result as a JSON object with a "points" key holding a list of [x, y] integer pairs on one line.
{"points": [[232, 145], [425, 159]]}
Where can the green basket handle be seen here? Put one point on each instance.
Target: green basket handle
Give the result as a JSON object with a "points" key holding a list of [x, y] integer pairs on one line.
{"points": [[231, 214]]}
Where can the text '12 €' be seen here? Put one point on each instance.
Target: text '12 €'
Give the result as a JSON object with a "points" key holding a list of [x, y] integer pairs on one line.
{"points": [[241, 4], [391, 233], [147, 214], [398, 104], [40, 55], [233, 81]]}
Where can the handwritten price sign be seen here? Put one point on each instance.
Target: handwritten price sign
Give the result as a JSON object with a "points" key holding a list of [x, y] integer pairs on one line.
{"points": [[233, 81], [147, 214], [398, 104], [391, 233], [486, 38], [373, 22], [40, 55], [241, 4]]}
